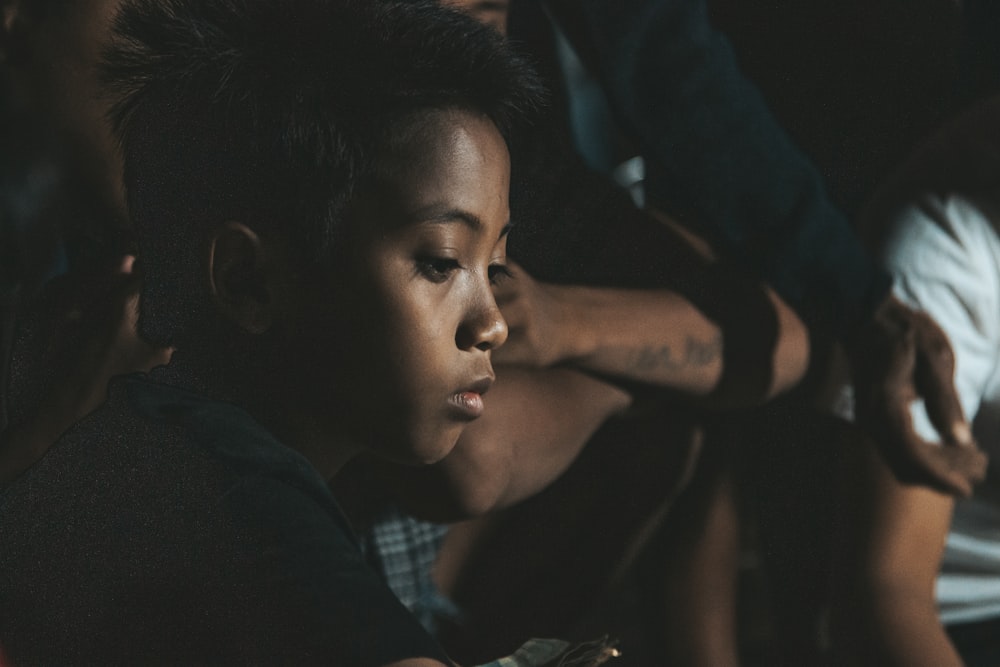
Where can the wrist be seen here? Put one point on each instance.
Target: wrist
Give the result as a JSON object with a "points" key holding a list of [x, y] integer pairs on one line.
{"points": [[572, 315]]}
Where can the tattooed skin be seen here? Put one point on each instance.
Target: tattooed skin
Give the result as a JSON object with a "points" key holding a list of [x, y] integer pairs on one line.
{"points": [[695, 353]]}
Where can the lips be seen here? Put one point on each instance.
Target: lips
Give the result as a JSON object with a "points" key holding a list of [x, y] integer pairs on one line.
{"points": [[469, 401]]}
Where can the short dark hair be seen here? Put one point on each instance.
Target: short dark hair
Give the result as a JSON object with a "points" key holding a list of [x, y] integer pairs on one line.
{"points": [[273, 112]]}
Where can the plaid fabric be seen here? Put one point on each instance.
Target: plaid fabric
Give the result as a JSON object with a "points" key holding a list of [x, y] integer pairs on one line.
{"points": [[559, 653], [535, 653], [403, 549]]}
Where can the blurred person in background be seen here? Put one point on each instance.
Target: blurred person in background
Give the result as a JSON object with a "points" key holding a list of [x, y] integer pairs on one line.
{"points": [[918, 576], [71, 284]]}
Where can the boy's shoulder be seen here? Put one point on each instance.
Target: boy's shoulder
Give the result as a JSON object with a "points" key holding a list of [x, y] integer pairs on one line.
{"points": [[156, 444], [165, 515]]}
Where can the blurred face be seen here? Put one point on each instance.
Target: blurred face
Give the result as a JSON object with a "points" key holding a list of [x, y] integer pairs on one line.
{"points": [[490, 12], [418, 305], [52, 61]]}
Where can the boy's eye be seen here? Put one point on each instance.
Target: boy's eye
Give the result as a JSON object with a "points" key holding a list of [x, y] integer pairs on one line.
{"points": [[499, 273], [437, 269]]}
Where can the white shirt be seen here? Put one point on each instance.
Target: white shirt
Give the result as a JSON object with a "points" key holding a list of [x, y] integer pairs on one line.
{"points": [[945, 258]]}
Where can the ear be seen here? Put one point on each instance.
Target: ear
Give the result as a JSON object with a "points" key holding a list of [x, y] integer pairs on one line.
{"points": [[242, 278]]}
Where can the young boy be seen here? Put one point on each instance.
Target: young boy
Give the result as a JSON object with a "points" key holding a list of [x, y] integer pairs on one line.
{"points": [[319, 190]]}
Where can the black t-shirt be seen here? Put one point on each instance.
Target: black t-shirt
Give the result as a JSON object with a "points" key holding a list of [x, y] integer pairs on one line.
{"points": [[169, 528]]}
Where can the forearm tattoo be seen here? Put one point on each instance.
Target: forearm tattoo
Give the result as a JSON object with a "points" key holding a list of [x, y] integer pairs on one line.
{"points": [[695, 353]]}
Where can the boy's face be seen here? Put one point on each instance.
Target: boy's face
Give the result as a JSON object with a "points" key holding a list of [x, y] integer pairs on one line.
{"points": [[419, 312]]}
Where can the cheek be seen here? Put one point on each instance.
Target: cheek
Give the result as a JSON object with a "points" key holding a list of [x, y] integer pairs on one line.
{"points": [[417, 344], [412, 392]]}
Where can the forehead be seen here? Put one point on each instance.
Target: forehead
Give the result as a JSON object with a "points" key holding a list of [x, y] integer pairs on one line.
{"points": [[451, 149], [440, 163], [440, 135]]}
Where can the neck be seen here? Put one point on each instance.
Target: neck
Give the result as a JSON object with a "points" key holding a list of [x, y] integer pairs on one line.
{"points": [[273, 399]]}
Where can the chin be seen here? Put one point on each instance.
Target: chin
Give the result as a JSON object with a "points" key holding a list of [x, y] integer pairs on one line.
{"points": [[426, 456], [432, 449]]}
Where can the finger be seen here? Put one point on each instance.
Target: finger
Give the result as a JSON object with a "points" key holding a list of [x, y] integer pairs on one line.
{"points": [[945, 413], [129, 313], [967, 462], [957, 469], [127, 264], [901, 361], [934, 466], [961, 434], [952, 470], [899, 347], [884, 386], [935, 383]]}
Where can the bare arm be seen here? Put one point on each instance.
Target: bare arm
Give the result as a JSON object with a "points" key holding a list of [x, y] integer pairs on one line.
{"points": [[535, 424], [884, 607], [700, 566], [660, 336], [656, 337]]}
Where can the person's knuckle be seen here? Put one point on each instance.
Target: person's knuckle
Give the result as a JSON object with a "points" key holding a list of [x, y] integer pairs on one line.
{"points": [[938, 349]]}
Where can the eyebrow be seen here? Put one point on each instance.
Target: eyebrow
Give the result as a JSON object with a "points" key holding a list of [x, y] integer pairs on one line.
{"points": [[457, 215]]}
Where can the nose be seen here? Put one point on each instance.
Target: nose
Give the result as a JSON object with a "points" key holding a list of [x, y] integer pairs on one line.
{"points": [[483, 327]]}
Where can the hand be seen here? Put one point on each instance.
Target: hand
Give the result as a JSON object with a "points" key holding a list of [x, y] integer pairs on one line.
{"points": [[900, 356], [532, 310], [95, 338], [100, 338]]}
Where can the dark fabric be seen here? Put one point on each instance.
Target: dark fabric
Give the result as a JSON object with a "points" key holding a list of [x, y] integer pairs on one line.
{"points": [[8, 303], [977, 642], [980, 58], [962, 157], [573, 225], [171, 529], [720, 161]]}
